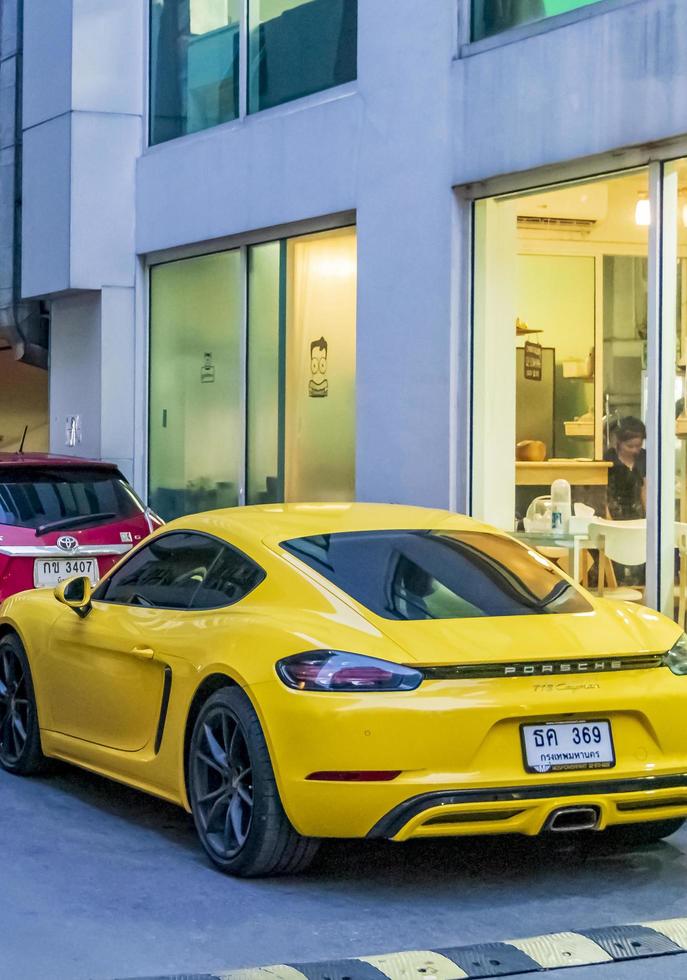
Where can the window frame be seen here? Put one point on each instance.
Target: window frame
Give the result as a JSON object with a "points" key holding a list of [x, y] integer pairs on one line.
{"points": [[282, 235], [149, 115], [521, 32], [243, 74], [191, 609], [659, 423]]}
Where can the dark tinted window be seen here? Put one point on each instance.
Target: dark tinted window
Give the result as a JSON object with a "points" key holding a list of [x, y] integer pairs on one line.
{"points": [[439, 575], [296, 47], [231, 577], [182, 570], [167, 572], [492, 16], [40, 498], [194, 65]]}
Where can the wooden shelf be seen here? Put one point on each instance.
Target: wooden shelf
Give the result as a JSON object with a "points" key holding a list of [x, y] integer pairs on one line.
{"points": [[588, 473]]}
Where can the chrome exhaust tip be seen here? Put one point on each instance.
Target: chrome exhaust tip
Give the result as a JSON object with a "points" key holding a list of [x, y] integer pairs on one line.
{"points": [[567, 819]]}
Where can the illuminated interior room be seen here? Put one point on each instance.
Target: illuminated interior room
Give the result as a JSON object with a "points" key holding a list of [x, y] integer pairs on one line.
{"points": [[561, 288]]}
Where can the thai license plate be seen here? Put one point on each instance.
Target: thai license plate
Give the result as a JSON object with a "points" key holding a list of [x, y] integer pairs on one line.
{"points": [[52, 571], [568, 745]]}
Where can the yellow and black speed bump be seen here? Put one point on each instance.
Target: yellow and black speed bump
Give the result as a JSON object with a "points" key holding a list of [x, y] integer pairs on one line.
{"points": [[540, 954]]}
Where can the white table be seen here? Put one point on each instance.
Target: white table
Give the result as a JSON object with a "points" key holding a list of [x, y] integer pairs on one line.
{"points": [[573, 543]]}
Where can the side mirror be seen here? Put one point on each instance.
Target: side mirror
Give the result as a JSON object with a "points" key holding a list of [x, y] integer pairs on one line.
{"points": [[75, 593]]}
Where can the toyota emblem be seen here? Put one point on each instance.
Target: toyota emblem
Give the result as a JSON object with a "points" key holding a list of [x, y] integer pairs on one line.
{"points": [[67, 543]]}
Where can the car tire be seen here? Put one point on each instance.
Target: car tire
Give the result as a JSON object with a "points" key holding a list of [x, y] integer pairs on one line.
{"points": [[651, 832], [234, 798], [20, 737]]}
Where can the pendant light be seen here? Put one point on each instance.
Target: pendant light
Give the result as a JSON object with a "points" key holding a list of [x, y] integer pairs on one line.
{"points": [[643, 212]]}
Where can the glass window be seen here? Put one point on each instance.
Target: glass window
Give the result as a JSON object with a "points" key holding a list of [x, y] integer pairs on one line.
{"points": [[194, 65], [264, 429], [53, 498], [196, 384], [297, 47], [295, 362], [320, 367], [564, 336], [493, 16], [182, 570], [439, 575], [165, 573], [231, 577]]}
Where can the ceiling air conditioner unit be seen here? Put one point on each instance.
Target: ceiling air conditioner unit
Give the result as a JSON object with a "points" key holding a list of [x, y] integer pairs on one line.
{"points": [[576, 208]]}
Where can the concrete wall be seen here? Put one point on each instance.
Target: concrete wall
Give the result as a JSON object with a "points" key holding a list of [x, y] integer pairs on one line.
{"points": [[613, 77], [75, 355], [83, 106], [92, 351]]}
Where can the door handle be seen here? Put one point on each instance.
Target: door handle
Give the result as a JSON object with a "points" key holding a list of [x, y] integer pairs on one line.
{"points": [[142, 653]]}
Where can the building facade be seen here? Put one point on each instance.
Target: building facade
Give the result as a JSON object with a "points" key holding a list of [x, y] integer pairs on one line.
{"points": [[324, 249]]}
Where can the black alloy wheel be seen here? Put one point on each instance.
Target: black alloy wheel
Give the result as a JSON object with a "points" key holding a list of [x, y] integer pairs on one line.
{"points": [[234, 798], [20, 747], [223, 781]]}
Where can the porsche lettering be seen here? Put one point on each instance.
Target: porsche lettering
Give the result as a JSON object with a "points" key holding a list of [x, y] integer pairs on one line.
{"points": [[571, 667]]}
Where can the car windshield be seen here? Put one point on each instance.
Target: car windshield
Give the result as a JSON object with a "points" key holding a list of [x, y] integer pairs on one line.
{"points": [[39, 497], [411, 575]]}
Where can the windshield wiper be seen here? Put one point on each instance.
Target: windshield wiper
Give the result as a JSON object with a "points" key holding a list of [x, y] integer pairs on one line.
{"points": [[75, 521]]}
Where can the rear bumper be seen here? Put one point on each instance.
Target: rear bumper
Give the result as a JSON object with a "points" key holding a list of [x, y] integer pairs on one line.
{"points": [[526, 809]]}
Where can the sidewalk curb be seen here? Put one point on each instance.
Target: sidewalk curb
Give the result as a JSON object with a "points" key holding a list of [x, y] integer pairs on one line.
{"points": [[557, 951]]}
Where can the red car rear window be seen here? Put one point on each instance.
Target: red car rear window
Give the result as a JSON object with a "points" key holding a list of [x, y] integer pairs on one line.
{"points": [[38, 498]]}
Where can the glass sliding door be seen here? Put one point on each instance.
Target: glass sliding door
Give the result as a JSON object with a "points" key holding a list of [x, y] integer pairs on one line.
{"points": [[261, 397], [196, 384], [320, 367]]}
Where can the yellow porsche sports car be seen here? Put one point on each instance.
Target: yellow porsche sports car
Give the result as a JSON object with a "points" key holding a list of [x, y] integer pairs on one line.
{"points": [[294, 672]]}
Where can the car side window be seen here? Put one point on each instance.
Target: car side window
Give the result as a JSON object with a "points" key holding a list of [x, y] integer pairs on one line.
{"points": [[165, 573], [232, 576]]}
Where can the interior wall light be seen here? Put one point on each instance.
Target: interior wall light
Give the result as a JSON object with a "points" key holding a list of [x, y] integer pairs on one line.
{"points": [[643, 212]]}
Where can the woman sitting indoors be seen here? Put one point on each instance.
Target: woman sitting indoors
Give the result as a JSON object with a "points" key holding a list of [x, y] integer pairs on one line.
{"points": [[627, 475]]}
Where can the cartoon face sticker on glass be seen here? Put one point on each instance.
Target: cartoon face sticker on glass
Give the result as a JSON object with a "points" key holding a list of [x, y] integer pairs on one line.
{"points": [[318, 386]]}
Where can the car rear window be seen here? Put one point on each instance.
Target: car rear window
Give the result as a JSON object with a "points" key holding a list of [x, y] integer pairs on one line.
{"points": [[414, 575], [33, 497]]}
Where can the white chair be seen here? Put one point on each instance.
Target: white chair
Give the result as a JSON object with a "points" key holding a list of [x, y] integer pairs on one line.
{"points": [[623, 542]]}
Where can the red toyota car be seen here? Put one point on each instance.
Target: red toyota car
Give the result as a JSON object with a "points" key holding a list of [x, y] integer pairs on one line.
{"points": [[61, 516]]}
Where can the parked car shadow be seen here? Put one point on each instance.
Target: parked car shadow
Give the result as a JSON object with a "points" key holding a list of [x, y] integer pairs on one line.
{"points": [[548, 860], [123, 802]]}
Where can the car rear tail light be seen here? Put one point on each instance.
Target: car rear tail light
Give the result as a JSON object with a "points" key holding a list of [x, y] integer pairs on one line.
{"points": [[356, 775], [334, 670]]}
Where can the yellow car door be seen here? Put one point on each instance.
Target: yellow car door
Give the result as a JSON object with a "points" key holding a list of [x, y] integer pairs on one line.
{"points": [[102, 680], [102, 675]]}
